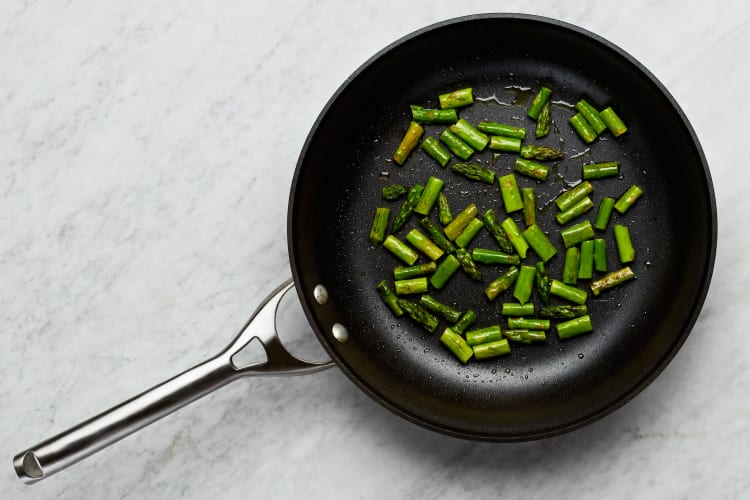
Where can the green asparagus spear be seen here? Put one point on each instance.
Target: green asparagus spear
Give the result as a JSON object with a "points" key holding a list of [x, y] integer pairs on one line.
{"points": [[494, 128], [612, 279], [470, 135], [582, 127], [457, 345], [563, 312], [484, 335], [493, 226], [379, 225], [577, 233], [592, 116], [485, 256], [456, 145], [524, 284], [576, 210], [437, 236], [507, 144], [434, 306], [502, 283], [419, 315], [529, 206], [405, 273], [586, 266], [600, 170], [407, 207], [511, 195], [408, 143], [628, 198], [604, 213], [526, 336], [542, 153], [572, 196], [543, 122], [538, 103], [445, 270], [624, 245], [468, 265], [571, 265], [468, 234], [389, 298], [423, 244], [474, 171], [515, 237], [433, 116], [573, 327], [432, 147], [410, 286], [515, 309], [456, 99], [539, 242], [614, 124], [531, 169], [491, 349], [394, 192], [542, 282], [600, 255], [528, 324], [444, 209], [400, 250], [429, 195], [567, 292], [467, 319], [460, 221]]}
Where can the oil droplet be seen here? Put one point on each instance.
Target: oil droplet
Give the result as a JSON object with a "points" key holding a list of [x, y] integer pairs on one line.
{"points": [[507, 370], [531, 369], [580, 355], [526, 377], [493, 370]]}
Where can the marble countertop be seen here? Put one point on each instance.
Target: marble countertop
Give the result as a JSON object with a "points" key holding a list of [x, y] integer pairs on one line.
{"points": [[144, 188]]}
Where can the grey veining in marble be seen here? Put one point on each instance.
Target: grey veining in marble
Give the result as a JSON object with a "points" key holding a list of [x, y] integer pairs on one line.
{"points": [[143, 195]]}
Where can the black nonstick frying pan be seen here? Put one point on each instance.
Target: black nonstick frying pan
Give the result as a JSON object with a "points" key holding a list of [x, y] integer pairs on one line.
{"points": [[535, 391]]}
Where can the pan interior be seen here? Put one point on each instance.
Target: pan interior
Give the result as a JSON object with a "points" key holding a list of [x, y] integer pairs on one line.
{"points": [[536, 390]]}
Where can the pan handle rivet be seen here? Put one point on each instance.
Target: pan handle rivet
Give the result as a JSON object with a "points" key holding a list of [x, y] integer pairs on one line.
{"points": [[321, 294], [340, 332]]}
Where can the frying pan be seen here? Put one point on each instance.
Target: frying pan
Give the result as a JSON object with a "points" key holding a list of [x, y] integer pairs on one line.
{"points": [[536, 391]]}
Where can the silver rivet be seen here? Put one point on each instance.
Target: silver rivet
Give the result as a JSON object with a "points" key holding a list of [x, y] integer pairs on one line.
{"points": [[340, 332], [321, 294]]}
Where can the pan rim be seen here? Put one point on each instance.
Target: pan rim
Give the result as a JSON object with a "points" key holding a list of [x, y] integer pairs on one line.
{"points": [[632, 391]]}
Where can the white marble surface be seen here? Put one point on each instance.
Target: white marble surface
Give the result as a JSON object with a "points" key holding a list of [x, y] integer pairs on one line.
{"points": [[143, 188]]}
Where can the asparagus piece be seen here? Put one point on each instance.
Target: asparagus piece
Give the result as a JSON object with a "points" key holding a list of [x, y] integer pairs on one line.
{"points": [[433, 116], [468, 265], [456, 99], [573, 327], [614, 123], [502, 283], [389, 298], [491, 349], [432, 305], [437, 236], [412, 198], [408, 143], [457, 345], [576, 210], [628, 198], [445, 270], [494, 128], [432, 147], [444, 209], [539, 242], [612, 279], [393, 192], [600, 170], [507, 144], [379, 225], [470, 135], [467, 319], [563, 312], [531, 169], [571, 265], [429, 195], [586, 265], [577, 233], [456, 145], [592, 116], [529, 206], [515, 237], [410, 286], [567, 292], [542, 282], [419, 315], [400, 250], [484, 335], [600, 255], [405, 273], [493, 226], [604, 213], [485, 256], [528, 324], [624, 246], [460, 221], [524, 284], [572, 196], [424, 245], [513, 309], [474, 171], [468, 234], [583, 128], [538, 103], [511, 195], [543, 153], [526, 336], [543, 122]]}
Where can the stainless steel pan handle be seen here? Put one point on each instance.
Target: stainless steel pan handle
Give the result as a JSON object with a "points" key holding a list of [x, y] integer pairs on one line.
{"points": [[68, 447]]}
